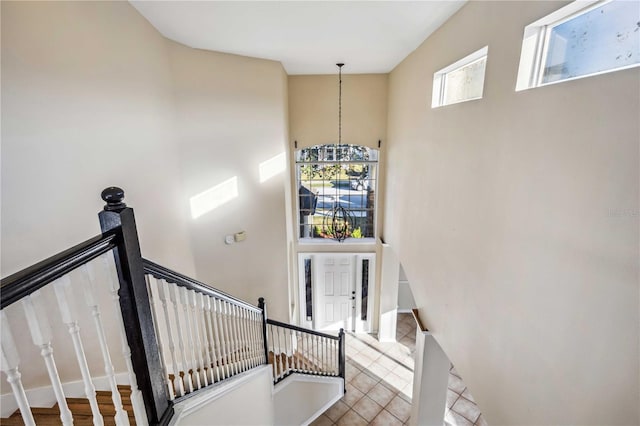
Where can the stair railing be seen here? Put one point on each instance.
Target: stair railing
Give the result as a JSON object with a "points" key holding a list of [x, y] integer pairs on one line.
{"points": [[205, 335], [181, 335], [292, 349], [53, 293]]}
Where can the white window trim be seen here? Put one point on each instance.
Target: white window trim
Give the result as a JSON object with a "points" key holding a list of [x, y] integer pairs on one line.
{"points": [[535, 43], [439, 77], [348, 241]]}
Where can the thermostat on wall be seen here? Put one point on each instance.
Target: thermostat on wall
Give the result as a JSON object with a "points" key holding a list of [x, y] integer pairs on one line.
{"points": [[240, 236], [229, 239]]}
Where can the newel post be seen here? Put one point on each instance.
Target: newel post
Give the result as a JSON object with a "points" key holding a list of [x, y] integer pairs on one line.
{"points": [[262, 305], [341, 350], [135, 306]]}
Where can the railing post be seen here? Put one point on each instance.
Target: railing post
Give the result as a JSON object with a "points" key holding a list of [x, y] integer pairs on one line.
{"points": [[262, 305], [135, 306], [342, 360]]}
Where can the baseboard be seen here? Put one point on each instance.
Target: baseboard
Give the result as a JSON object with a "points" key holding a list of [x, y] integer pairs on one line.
{"points": [[44, 396]]}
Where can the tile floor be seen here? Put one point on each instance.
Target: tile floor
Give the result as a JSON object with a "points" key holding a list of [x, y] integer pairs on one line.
{"points": [[461, 407], [379, 379]]}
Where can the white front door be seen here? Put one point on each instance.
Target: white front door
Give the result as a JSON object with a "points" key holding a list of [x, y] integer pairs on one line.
{"points": [[335, 292]]}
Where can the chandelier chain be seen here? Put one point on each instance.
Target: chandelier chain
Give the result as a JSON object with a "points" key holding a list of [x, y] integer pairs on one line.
{"points": [[340, 103]]}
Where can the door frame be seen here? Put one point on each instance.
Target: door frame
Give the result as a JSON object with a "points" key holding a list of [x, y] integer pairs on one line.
{"points": [[361, 326]]}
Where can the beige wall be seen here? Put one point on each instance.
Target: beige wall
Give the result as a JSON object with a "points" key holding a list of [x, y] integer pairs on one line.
{"points": [[231, 116], [501, 218], [86, 104], [90, 99], [313, 109]]}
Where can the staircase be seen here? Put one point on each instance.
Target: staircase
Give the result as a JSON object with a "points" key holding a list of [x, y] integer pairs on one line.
{"points": [[81, 410], [177, 336]]}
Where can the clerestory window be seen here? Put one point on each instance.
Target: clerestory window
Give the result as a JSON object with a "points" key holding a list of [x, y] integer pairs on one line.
{"points": [[582, 39], [332, 176]]}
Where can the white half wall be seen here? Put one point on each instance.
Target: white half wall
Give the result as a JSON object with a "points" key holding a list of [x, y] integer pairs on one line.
{"points": [[241, 401], [299, 399], [388, 295]]}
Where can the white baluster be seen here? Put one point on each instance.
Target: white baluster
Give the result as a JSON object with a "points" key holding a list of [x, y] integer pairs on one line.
{"points": [[235, 324], [219, 338], [287, 366], [137, 402], [294, 349], [197, 337], [163, 301], [254, 337], [121, 416], [276, 350], [245, 337], [232, 338], [206, 336], [184, 298], [261, 338], [62, 289], [41, 336], [227, 339], [246, 333], [175, 299], [162, 295], [324, 354], [9, 362]]}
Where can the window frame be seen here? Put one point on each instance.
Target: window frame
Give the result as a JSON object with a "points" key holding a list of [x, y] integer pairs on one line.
{"points": [[335, 149], [440, 77], [535, 45]]}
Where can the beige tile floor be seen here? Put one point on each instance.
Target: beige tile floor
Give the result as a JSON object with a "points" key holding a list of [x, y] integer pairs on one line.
{"points": [[379, 380], [462, 409]]}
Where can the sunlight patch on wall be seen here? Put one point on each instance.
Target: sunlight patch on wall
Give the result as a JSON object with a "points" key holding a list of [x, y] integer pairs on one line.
{"points": [[214, 197], [272, 167]]}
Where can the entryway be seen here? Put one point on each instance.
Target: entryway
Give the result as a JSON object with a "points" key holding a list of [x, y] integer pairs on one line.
{"points": [[337, 290]]}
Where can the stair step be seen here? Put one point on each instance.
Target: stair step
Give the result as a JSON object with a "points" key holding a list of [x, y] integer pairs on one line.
{"points": [[80, 409]]}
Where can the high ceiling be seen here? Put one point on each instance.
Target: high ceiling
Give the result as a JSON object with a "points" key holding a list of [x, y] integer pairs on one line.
{"points": [[307, 37]]}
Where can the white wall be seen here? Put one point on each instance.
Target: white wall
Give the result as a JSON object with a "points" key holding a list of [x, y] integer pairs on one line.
{"points": [[232, 116], [406, 302], [245, 401], [503, 225], [299, 399], [87, 103]]}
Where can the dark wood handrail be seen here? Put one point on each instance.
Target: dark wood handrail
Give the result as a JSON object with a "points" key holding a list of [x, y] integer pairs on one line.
{"points": [[28, 280], [177, 278], [301, 329]]}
